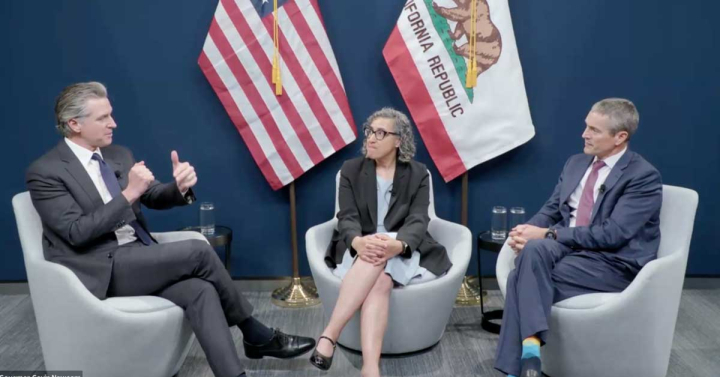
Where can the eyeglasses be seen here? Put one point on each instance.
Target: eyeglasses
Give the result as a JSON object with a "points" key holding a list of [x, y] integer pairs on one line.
{"points": [[379, 134]]}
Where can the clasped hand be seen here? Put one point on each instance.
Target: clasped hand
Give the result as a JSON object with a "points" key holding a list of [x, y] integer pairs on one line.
{"points": [[376, 249], [522, 233]]}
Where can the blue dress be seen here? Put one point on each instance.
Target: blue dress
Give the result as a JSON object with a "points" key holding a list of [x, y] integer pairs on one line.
{"points": [[403, 271]]}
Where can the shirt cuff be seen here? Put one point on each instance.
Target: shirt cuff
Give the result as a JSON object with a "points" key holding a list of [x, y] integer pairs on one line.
{"points": [[188, 195]]}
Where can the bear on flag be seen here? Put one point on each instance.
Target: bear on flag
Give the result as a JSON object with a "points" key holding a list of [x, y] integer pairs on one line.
{"points": [[457, 67]]}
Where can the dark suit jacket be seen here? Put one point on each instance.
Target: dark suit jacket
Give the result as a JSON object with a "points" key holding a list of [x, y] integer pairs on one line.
{"points": [[407, 212], [625, 221], [78, 228]]}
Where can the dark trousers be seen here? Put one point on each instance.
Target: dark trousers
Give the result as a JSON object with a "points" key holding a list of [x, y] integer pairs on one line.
{"points": [[547, 272], [190, 274]]}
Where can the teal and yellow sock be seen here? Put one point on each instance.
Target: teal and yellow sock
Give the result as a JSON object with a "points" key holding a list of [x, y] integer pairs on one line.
{"points": [[530, 364], [530, 347]]}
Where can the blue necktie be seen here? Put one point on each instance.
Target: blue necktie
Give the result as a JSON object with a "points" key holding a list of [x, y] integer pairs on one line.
{"points": [[113, 187]]}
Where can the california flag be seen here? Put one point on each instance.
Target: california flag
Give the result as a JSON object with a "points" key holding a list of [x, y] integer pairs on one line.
{"points": [[457, 67]]}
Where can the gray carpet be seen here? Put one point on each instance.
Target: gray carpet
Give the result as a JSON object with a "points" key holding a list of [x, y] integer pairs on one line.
{"points": [[465, 350]]}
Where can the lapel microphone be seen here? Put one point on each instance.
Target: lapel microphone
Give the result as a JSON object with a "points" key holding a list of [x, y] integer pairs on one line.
{"points": [[602, 188], [118, 174]]}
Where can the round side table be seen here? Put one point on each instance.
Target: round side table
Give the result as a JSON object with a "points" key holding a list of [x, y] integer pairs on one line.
{"points": [[486, 242], [221, 237]]}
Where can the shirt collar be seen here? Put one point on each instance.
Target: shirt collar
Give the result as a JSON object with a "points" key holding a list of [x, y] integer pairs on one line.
{"points": [[84, 155], [612, 160]]}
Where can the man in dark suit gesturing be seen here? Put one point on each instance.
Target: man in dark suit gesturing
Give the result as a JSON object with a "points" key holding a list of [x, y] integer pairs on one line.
{"points": [[594, 234], [88, 194]]}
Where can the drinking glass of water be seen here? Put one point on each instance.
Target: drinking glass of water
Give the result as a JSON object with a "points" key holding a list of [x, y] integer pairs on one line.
{"points": [[517, 216], [498, 229], [207, 218]]}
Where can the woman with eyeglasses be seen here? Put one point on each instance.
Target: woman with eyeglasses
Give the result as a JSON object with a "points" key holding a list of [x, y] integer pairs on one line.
{"points": [[381, 239]]}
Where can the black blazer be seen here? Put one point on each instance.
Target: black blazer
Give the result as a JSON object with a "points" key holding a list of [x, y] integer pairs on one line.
{"points": [[78, 228], [407, 213]]}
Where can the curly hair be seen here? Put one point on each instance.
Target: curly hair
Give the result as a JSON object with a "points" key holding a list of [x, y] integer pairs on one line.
{"points": [[406, 151]]}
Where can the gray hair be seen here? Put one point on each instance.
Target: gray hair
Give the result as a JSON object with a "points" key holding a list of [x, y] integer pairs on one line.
{"points": [[406, 151], [622, 113], [72, 101]]}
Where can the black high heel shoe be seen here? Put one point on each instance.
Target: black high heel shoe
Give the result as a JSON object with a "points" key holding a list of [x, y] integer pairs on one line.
{"points": [[319, 360]]}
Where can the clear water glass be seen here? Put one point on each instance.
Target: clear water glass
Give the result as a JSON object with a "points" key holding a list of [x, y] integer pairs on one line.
{"points": [[207, 218], [517, 216], [498, 230]]}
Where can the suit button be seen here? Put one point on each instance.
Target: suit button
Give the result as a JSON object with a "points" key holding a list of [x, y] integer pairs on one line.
{"points": [[109, 256]]}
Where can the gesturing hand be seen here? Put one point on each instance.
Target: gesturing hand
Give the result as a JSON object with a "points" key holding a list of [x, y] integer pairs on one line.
{"points": [[183, 172], [139, 179]]}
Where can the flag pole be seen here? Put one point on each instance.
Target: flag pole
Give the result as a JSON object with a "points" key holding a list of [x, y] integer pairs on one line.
{"points": [[469, 294], [299, 293]]}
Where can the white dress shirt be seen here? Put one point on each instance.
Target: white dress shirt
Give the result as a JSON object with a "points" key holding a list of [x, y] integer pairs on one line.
{"points": [[603, 173], [124, 235]]}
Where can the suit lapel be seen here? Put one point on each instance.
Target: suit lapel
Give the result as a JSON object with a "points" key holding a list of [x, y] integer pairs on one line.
{"points": [[78, 172], [611, 180], [574, 177], [370, 189], [116, 167]]}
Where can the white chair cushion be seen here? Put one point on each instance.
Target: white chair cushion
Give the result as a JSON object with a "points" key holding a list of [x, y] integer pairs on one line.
{"points": [[139, 304], [588, 301]]}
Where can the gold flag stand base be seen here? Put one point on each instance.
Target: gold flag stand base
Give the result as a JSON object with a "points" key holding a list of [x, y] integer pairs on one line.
{"points": [[469, 294], [300, 293]]}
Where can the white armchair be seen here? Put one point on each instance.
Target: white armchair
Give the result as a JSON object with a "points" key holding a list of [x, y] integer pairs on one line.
{"points": [[628, 333], [418, 313], [121, 336]]}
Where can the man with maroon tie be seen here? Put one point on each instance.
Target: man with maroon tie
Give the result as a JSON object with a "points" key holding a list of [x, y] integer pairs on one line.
{"points": [[594, 234]]}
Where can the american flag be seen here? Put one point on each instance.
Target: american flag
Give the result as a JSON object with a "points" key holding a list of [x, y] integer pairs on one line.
{"points": [[287, 134]]}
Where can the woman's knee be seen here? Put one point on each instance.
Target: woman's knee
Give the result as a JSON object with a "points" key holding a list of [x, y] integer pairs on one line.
{"points": [[365, 264], [384, 284]]}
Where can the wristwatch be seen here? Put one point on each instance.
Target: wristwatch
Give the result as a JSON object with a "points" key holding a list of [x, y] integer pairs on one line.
{"points": [[406, 253], [550, 234]]}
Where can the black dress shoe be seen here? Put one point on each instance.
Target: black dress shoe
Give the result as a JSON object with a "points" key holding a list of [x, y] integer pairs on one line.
{"points": [[281, 345], [321, 361], [531, 367]]}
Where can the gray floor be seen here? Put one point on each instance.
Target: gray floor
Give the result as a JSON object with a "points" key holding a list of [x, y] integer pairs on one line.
{"points": [[465, 350]]}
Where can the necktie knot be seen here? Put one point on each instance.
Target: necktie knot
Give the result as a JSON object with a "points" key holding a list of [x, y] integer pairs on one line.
{"points": [[97, 157], [597, 165]]}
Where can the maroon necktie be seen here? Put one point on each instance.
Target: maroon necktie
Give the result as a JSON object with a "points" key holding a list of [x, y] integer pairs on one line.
{"points": [[586, 200]]}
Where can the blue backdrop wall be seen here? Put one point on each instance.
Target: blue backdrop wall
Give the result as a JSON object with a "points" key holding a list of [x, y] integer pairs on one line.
{"points": [[662, 54]]}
